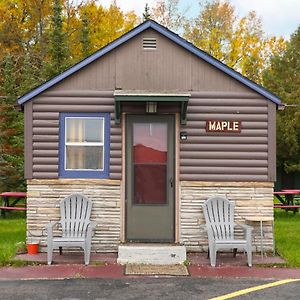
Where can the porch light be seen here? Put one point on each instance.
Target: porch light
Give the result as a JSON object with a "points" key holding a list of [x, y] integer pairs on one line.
{"points": [[151, 107], [183, 136]]}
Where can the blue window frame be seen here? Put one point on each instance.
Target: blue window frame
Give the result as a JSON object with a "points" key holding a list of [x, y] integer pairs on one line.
{"points": [[84, 145]]}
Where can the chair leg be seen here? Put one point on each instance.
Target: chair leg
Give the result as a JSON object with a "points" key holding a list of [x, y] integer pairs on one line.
{"points": [[249, 257], [87, 254], [60, 250], [234, 252], [49, 254], [213, 256]]}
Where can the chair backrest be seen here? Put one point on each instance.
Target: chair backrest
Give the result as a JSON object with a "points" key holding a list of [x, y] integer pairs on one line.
{"points": [[75, 211], [219, 217]]}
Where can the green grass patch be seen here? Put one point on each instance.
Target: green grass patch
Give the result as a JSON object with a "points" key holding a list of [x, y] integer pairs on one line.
{"points": [[12, 236], [287, 237]]}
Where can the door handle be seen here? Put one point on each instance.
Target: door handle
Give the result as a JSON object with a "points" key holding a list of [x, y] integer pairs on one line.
{"points": [[171, 182]]}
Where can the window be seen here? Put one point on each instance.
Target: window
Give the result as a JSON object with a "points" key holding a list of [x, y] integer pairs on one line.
{"points": [[84, 145]]}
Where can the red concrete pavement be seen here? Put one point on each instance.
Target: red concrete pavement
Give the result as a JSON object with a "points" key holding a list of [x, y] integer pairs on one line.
{"points": [[117, 271], [105, 266]]}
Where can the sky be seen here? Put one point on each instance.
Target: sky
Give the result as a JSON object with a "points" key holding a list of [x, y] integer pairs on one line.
{"points": [[279, 17]]}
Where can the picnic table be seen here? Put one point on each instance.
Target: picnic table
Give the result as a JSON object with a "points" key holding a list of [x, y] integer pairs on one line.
{"points": [[10, 202], [287, 199]]}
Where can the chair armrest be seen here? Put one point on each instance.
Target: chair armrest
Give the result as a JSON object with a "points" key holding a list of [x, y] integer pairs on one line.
{"points": [[210, 234], [51, 224], [244, 226], [247, 229], [49, 228], [203, 226], [93, 225], [90, 228]]}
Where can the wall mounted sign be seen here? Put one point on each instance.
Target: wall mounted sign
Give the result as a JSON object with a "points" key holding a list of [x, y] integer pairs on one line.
{"points": [[223, 126]]}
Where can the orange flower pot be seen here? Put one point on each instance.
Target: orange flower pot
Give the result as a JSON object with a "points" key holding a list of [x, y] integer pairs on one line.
{"points": [[33, 248]]}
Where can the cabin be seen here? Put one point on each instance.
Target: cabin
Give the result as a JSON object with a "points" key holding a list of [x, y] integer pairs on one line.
{"points": [[148, 128]]}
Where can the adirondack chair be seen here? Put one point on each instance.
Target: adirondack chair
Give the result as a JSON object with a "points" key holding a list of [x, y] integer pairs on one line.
{"points": [[219, 216], [75, 211]]}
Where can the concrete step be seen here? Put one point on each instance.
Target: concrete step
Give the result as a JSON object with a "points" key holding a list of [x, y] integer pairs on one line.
{"points": [[155, 254]]}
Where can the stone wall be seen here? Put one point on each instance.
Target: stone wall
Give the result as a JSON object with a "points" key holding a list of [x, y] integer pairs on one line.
{"points": [[251, 199], [43, 197]]}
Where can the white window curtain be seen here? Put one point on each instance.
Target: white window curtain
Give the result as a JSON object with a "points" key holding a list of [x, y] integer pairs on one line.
{"points": [[84, 143]]}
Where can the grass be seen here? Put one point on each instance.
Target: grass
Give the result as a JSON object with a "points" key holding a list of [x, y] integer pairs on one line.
{"points": [[287, 237], [12, 236]]}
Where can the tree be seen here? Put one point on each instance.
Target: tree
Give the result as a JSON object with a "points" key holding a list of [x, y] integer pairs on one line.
{"points": [[11, 132], [85, 36], [283, 78], [166, 13], [239, 43], [58, 42], [146, 13]]}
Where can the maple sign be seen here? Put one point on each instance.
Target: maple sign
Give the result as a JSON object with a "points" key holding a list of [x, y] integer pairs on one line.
{"points": [[223, 126]]}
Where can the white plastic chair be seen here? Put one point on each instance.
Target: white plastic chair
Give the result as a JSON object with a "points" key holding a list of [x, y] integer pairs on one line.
{"points": [[75, 211], [219, 217]]}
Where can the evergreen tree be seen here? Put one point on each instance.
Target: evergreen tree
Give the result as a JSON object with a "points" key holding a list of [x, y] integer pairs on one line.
{"points": [[11, 132], [283, 78], [58, 42], [29, 79], [85, 37], [146, 13]]}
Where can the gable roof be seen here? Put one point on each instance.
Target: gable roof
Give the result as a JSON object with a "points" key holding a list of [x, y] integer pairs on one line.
{"points": [[168, 34]]}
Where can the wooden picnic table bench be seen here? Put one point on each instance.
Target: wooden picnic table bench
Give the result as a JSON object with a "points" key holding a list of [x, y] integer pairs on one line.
{"points": [[10, 202], [293, 208], [287, 200]]}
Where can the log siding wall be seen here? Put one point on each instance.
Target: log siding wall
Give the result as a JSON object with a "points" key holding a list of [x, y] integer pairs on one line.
{"points": [[244, 156], [45, 129], [251, 198]]}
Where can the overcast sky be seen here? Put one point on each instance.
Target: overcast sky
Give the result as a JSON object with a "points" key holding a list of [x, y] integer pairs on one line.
{"points": [[280, 17]]}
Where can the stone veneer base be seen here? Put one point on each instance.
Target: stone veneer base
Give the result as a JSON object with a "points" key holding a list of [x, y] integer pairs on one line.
{"points": [[43, 196]]}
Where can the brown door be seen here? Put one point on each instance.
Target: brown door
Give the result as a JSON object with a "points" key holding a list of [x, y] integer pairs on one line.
{"points": [[150, 179]]}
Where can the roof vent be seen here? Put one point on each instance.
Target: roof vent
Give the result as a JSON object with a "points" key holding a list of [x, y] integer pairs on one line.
{"points": [[149, 43]]}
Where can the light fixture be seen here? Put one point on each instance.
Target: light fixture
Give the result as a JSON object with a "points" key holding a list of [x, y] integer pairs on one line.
{"points": [[183, 135], [151, 107]]}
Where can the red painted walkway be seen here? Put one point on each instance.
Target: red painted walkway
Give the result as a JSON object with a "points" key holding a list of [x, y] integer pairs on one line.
{"points": [[71, 266], [117, 271]]}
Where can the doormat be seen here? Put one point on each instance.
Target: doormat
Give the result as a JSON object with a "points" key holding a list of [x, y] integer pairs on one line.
{"points": [[170, 270]]}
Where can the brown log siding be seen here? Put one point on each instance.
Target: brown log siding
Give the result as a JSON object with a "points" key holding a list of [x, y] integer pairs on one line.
{"points": [[227, 156], [244, 156], [45, 129]]}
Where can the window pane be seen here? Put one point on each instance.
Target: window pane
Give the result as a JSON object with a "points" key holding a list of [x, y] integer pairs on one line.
{"points": [[150, 142], [84, 130], [84, 158], [150, 161], [150, 184]]}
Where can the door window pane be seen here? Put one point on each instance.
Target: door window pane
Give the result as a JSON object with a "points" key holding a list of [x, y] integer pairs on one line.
{"points": [[150, 163], [150, 184], [150, 142]]}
